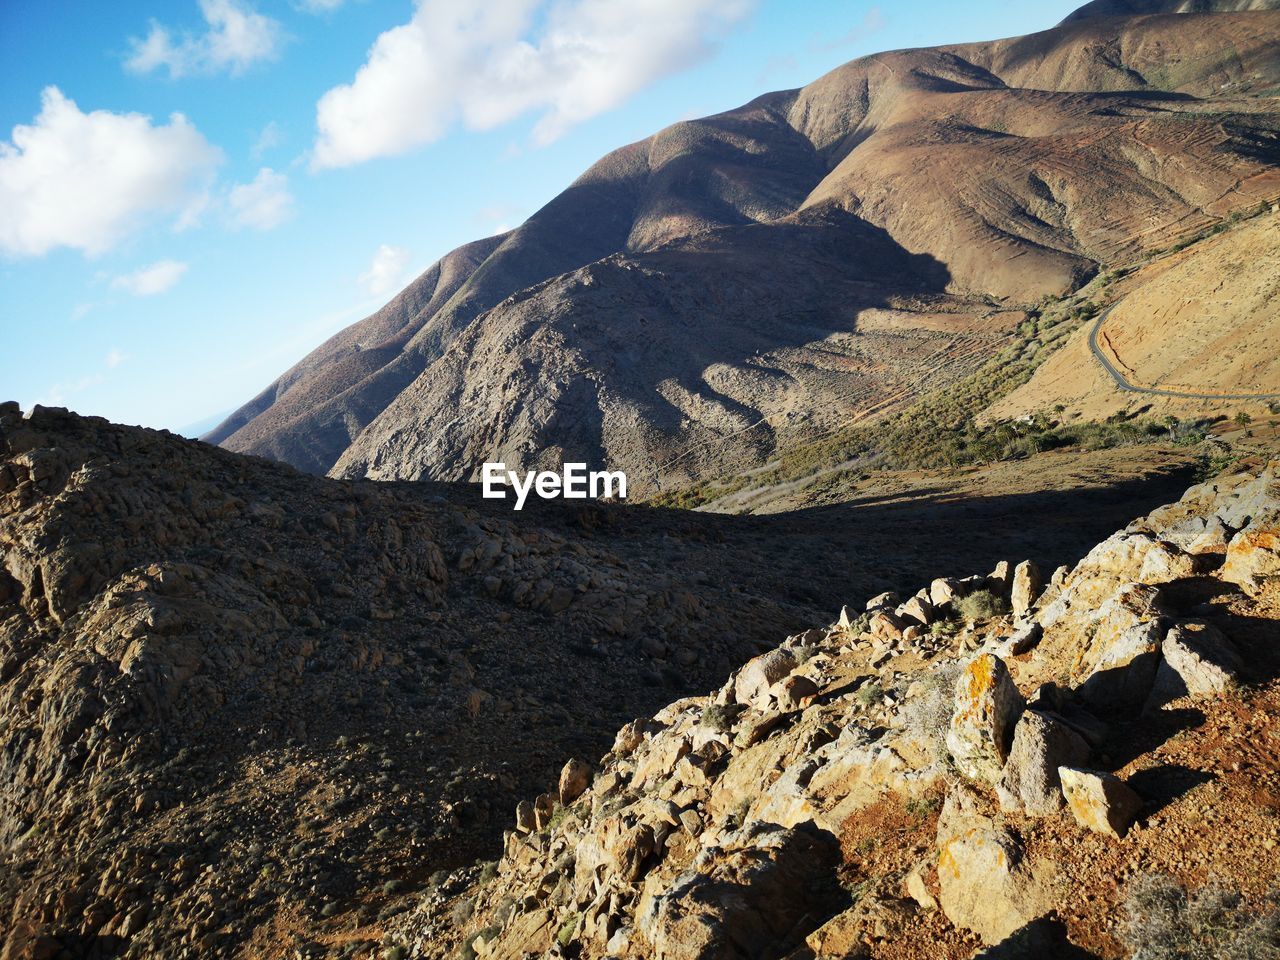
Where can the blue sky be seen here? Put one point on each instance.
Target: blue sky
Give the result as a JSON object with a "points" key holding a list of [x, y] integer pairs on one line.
{"points": [[159, 270]]}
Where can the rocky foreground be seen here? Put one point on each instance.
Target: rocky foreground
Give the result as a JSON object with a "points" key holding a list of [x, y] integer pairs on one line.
{"points": [[240, 706], [996, 765], [246, 712]]}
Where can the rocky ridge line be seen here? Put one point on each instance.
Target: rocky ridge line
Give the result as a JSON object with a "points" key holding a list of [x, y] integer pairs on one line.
{"points": [[1012, 731]]}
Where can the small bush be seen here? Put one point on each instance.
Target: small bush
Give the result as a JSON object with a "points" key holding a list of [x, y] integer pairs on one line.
{"points": [[468, 951], [982, 605], [462, 911], [870, 693], [568, 930], [927, 715], [488, 871], [720, 717], [1164, 922], [921, 808], [805, 654]]}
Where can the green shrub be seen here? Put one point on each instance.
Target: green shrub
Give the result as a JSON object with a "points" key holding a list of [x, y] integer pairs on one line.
{"points": [[870, 693], [468, 950], [1165, 922], [720, 717], [982, 605], [568, 930]]}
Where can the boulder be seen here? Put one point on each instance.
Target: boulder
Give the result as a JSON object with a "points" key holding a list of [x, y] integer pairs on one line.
{"points": [[1027, 584], [762, 672], [882, 601], [1213, 539], [767, 885], [944, 590], [986, 707], [1099, 801], [918, 890], [1125, 670], [793, 692], [1041, 744], [1164, 562], [544, 808], [1197, 660], [918, 610], [622, 847], [986, 885], [888, 625], [1253, 554], [575, 777], [524, 817], [1000, 579], [1024, 638]]}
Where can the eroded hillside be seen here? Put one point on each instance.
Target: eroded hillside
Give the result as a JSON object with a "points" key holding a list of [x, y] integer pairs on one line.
{"points": [[696, 301], [242, 708], [1045, 764]]}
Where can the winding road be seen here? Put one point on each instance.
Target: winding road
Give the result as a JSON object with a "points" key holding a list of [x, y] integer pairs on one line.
{"points": [[1124, 384]]}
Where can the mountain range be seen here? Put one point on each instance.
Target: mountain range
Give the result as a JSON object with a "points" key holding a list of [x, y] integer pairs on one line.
{"points": [[699, 301]]}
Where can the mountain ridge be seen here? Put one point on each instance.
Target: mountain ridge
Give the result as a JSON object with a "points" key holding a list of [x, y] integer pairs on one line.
{"points": [[1024, 127]]}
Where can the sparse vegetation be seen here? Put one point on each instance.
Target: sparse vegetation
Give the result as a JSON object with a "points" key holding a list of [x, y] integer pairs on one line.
{"points": [[870, 693], [462, 910], [927, 715], [982, 605], [468, 951], [720, 717], [558, 816], [921, 808], [568, 930], [1165, 922]]}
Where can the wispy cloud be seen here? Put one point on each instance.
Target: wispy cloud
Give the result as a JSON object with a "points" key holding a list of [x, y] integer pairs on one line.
{"points": [[115, 357], [482, 65], [237, 37], [385, 271], [149, 281], [270, 138], [263, 203], [317, 6], [872, 23], [61, 393], [86, 180]]}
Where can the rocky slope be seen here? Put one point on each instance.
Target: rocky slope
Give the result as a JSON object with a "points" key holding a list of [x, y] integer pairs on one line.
{"points": [[242, 708], [1004, 759], [694, 300], [1192, 322]]}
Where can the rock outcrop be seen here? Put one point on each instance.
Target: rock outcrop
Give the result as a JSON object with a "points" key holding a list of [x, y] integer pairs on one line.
{"points": [[913, 744]]}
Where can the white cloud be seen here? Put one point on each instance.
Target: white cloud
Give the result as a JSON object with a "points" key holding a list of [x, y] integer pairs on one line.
{"points": [[318, 6], [483, 65], [85, 180], [270, 138], [237, 38], [115, 357], [80, 311], [149, 281], [386, 269], [58, 394], [263, 203]]}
